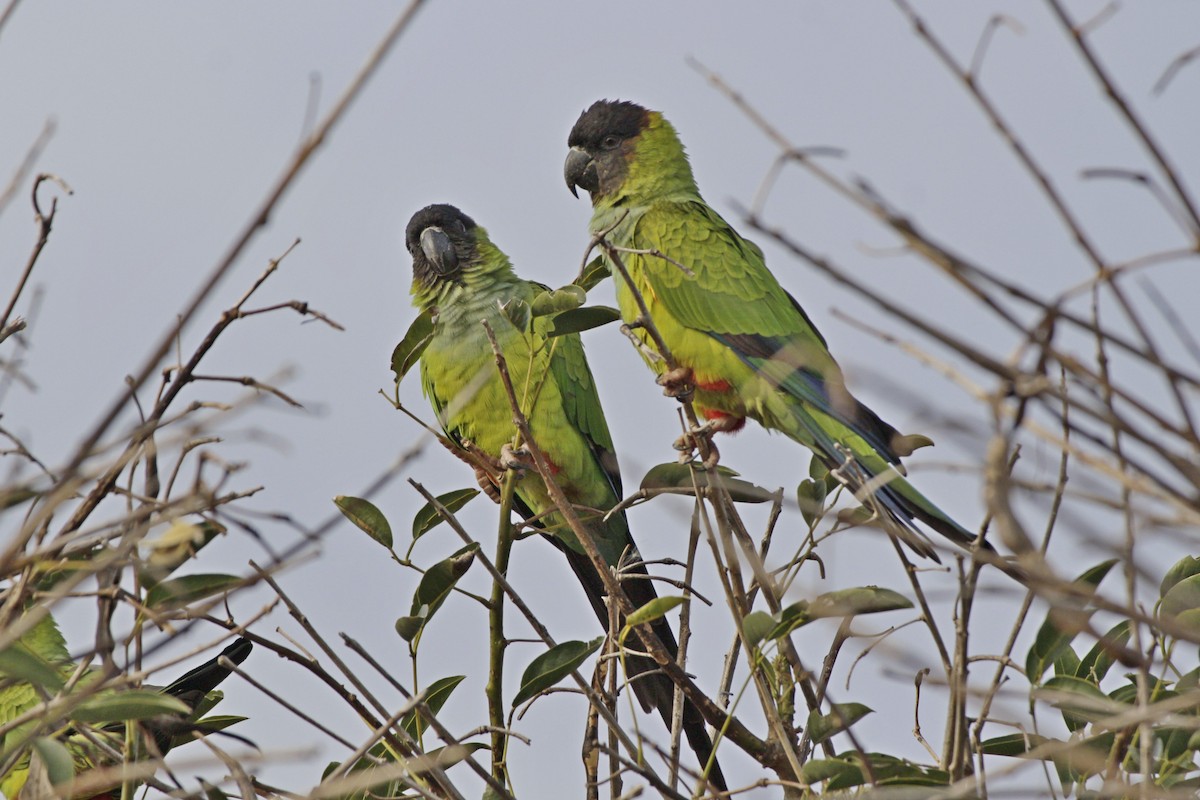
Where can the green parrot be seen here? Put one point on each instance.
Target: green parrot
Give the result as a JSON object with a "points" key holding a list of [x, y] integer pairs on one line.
{"points": [[743, 344], [462, 278], [45, 643]]}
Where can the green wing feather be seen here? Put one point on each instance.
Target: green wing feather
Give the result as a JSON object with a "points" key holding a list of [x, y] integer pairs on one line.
{"points": [[733, 298]]}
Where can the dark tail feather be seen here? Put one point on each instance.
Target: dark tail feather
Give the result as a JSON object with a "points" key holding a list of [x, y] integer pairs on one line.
{"points": [[654, 690], [191, 688]]}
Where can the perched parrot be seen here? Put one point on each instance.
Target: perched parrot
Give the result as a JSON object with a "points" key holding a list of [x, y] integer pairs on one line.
{"points": [[45, 643], [461, 278], [743, 344]]}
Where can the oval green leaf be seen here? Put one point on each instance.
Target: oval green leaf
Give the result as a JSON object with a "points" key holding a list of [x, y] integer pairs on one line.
{"points": [[1184, 568], [56, 758], [1079, 701], [128, 705], [1183, 596], [824, 769], [558, 300], [841, 717], [790, 618], [180, 591], [208, 725], [757, 625], [19, 664], [810, 494], [436, 695], [651, 611], [439, 579], [1014, 744], [409, 627], [428, 518], [516, 312], [408, 352], [366, 517], [552, 666], [1052, 638], [676, 476], [859, 600], [451, 754], [582, 319], [179, 543], [592, 274]]}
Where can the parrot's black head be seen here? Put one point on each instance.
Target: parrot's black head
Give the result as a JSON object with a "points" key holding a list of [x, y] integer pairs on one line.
{"points": [[441, 240], [601, 143]]}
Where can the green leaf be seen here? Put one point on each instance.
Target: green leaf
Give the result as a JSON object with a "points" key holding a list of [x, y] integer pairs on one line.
{"points": [[592, 274], [757, 626], [409, 627], [1183, 596], [553, 302], [1014, 744], [19, 664], [552, 666], [415, 340], [855, 517], [1096, 664], [1189, 619], [1184, 568], [178, 592], [824, 769], [1067, 662], [1052, 637], [208, 725], [649, 612], [446, 757], [789, 619], [438, 581], [126, 705], [212, 792], [207, 703], [582, 319], [810, 494], [859, 600], [181, 541], [428, 518], [1079, 701], [674, 475], [436, 695], [818, 471], [435, 586], [60, 765], [843, 715], [516, 311], [366, 517]]}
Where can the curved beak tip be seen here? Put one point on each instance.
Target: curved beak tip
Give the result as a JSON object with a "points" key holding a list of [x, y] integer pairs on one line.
{"points": [[439, 250], [580, 171]]}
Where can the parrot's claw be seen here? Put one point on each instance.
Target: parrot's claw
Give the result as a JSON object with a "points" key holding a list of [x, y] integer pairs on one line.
{"points": [[678, 383], [487, 484], [515, 459], [689, 442]]}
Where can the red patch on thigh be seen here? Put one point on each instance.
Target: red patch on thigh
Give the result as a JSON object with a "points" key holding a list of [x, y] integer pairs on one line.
{"points": [[719, 385], [723, 422]]}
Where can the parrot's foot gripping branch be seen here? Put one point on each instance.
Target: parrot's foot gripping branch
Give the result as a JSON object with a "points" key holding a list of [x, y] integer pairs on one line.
{"points": [[679, 383], [516, 459], [689, 443]]}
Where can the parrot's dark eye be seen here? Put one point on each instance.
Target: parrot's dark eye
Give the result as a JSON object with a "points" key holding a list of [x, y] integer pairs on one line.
{"points": [[610, 142]]}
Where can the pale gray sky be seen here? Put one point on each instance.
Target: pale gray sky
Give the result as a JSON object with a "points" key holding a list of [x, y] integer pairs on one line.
{"points": [[174, 119]]}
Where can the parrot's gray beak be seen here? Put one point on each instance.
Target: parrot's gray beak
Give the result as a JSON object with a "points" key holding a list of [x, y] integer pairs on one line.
{"points": [[439, 250], [580, 170]]}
